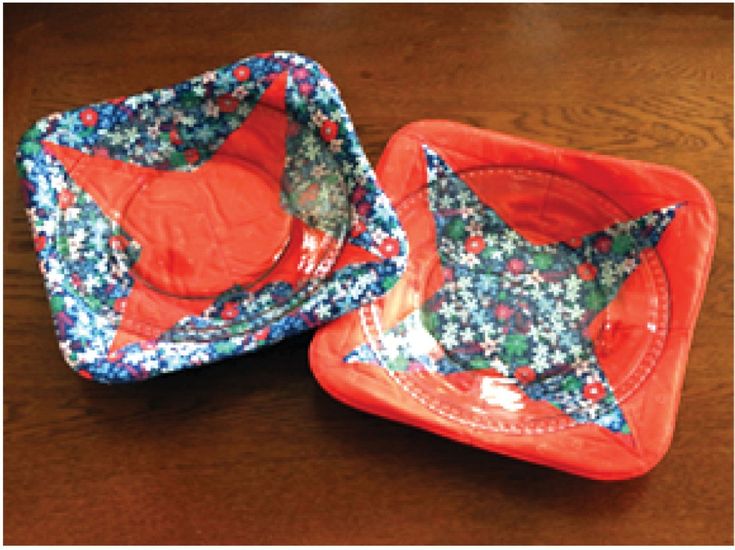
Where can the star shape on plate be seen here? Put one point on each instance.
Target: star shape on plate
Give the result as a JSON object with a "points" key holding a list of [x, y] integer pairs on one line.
{"points": [[222, 225], [514, 308]]}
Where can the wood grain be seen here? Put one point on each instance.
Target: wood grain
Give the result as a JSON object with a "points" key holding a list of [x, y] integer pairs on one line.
{"points": [[251, 450]]}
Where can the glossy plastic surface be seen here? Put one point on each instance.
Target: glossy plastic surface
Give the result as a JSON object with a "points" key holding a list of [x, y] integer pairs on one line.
{"points": [[606, 411], [203, 220]]}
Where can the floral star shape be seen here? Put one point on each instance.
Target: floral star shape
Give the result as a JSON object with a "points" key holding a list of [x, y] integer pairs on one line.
{"points": [[535, 302]]}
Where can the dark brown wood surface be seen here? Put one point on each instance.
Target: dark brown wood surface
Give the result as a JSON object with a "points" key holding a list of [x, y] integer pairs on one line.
{"points": [[252, 450]]}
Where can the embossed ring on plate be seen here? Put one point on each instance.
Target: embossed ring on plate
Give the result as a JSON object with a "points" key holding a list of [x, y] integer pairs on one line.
{"points": [[546, 308]]}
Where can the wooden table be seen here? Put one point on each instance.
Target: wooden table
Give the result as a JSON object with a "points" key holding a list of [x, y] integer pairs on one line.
{"points": [[252, 450]]}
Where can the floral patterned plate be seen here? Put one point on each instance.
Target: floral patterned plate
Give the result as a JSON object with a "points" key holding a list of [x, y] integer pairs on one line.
{"points": [[203, 220], [548, 303]]}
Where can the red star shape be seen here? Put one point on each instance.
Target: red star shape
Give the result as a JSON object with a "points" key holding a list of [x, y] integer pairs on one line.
{"points": [[204, 231]]}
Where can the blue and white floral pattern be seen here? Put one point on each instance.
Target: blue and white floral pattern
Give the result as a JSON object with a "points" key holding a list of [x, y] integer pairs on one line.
{"points": [[517, 308], [86, 257]]}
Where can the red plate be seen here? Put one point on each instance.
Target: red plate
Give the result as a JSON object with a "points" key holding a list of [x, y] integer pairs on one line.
{"points": [[547, 195]]}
